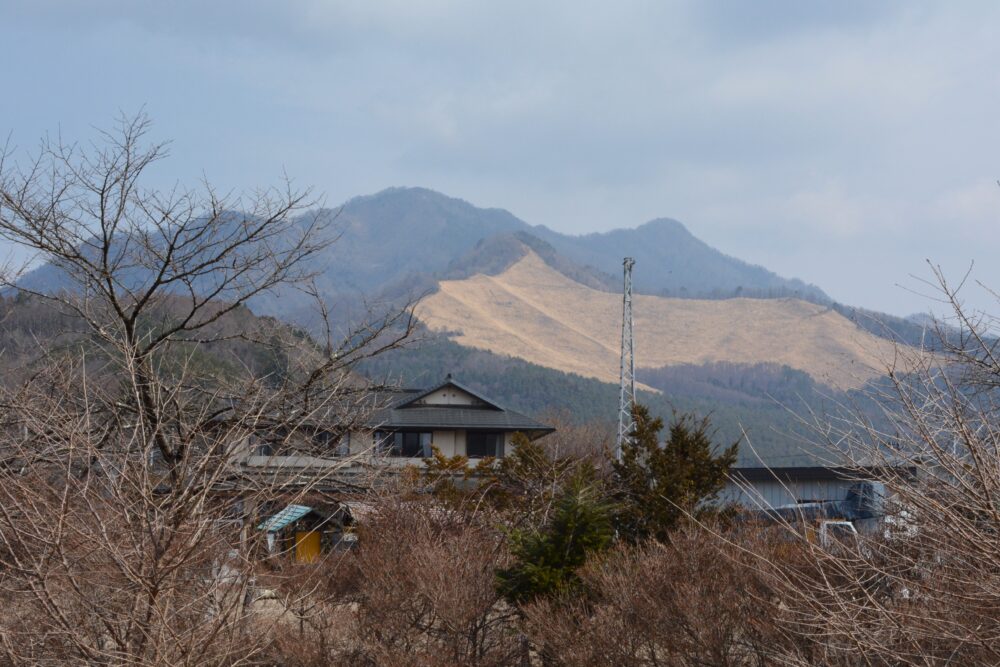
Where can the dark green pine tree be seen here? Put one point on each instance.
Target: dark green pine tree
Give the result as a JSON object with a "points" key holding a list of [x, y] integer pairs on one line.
{"points": [[546, 561], [658, 484]]}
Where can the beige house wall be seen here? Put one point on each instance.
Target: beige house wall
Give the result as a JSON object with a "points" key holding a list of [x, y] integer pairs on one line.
{"points": [[452, 443], [449, 443], [361, 442]]}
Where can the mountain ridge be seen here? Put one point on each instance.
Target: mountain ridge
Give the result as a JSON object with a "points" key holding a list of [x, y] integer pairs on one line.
{"points": [[410, 241], [398, 243], [694, 266], [392, 235]]}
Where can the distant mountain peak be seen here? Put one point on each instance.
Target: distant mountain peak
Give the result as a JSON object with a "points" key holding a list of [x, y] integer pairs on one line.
{"points": [[404, 191], [415, 235], [665, 224], [419, 195]]}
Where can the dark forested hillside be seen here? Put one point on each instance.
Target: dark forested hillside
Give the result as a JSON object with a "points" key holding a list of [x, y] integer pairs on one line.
{"points": [[407, 237], [402, 231], [733, 383], [32, 328], [757, 399], [495, 254], [398, 243]]}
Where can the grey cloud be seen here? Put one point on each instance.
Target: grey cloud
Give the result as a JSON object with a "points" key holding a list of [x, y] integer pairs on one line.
{"points": [[770, 128]]}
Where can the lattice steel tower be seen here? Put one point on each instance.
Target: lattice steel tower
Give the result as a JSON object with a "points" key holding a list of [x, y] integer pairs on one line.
{"points": [[626, 422]]}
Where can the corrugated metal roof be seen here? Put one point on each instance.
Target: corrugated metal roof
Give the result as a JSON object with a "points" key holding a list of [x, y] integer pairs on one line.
{"points": [[286, 516], [809, 473]]}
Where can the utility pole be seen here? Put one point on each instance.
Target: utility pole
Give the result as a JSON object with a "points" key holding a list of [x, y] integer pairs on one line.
{"points": [[626, 421]]}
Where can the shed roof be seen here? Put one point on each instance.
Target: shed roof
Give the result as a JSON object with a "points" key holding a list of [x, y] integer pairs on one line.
{"points": [[290, 514], [810, 473]]}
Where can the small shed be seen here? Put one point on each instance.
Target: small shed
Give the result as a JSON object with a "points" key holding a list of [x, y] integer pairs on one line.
{"points": [[304, 531]]}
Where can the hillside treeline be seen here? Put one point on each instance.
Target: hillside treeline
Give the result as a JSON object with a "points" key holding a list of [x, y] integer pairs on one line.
{"points": [[35, 329], [757, 400]]}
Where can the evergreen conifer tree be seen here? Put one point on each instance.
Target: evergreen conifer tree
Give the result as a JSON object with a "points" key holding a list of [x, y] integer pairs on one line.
{"points": [[657, 484], [546, 561]]}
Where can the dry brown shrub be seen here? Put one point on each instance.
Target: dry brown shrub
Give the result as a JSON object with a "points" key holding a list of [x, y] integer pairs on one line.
{"points": [[129, 502], [695, 601], [427, 590], [592, 441], [923, 588], [421, 593]]}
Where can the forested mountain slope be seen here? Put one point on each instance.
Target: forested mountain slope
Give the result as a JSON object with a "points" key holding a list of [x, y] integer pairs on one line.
{"points": [[534, 317], [32, 329], [401, 241], [402, 231], [758, 400]]}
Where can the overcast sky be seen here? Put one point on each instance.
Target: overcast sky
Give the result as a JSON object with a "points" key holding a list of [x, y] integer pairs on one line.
{"points": [[839, 142]]}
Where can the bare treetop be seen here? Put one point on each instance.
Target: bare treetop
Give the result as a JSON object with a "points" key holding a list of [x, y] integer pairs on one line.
{"points": [[126, 248]]}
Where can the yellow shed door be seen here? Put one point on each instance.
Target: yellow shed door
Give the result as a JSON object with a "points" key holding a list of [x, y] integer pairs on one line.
{"points": [[306, 546]]}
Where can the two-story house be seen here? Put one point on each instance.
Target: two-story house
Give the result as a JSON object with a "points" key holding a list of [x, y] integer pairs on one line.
{"points": [[451, 417]]}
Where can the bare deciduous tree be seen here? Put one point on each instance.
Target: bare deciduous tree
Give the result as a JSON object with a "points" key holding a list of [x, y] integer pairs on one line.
{"points": [[922, 587], [128, 519]]}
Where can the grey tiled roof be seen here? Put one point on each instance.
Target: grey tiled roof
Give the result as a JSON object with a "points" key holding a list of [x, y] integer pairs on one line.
{"points": [[404, 414], [449, 382], [456, 417]]}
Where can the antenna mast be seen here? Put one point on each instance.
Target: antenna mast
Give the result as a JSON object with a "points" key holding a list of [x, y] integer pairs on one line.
{"points": [[626, 421]]}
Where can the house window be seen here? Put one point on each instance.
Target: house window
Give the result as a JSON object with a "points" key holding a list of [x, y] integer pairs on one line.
{"points": [[413, 444], [336, 445], [479, 445], [344, 445]]}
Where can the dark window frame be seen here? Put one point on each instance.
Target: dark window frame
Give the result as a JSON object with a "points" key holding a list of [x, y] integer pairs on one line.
{"points": [[484, 444], [404, 444]]}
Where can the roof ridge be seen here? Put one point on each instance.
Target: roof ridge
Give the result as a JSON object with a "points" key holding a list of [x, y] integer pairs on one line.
{"points": [[450, 381]]}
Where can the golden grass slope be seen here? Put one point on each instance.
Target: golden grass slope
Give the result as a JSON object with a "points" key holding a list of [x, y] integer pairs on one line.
{"points": [[533, 312]]}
